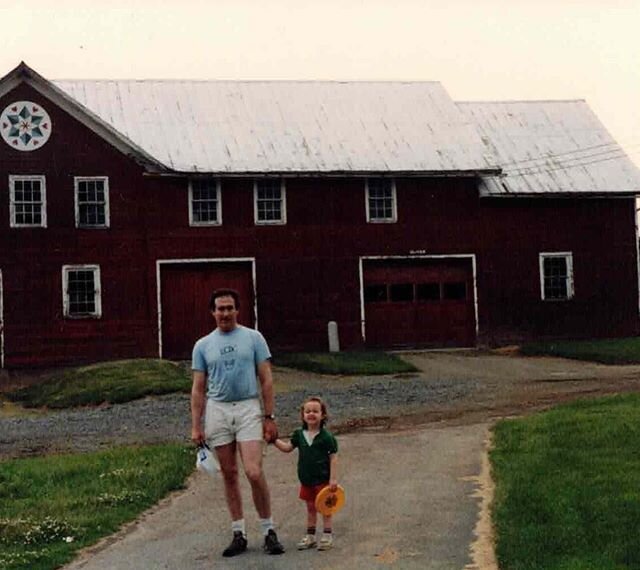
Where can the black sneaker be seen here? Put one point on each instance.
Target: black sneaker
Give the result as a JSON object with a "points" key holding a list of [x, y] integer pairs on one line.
{"points": [[238, 545], [271, 543]]}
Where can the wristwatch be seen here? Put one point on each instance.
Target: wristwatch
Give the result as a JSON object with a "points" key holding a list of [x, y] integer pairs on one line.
{"points": [[269, 417]]}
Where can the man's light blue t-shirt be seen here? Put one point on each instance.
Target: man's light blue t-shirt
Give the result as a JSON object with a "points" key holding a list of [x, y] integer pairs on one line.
{"points": [[230, 360]]}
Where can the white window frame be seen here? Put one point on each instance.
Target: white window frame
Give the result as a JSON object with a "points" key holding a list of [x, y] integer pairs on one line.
{"points": [[218, 220], [66, 305], [13, 178], [394, 205], [76, 192], [283, 205], [568, 256]]}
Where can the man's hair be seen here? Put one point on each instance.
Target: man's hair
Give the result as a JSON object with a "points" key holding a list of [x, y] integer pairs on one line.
{"points": [[224, 293], [323, 408]]}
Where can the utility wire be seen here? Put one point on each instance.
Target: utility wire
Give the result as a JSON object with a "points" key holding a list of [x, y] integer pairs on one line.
{"points": [[569, 161], [541, 170], [615, 147]]}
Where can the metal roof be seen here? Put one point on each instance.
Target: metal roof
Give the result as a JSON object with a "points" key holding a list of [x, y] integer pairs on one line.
{"points": [[550, 147], [288, 126]]}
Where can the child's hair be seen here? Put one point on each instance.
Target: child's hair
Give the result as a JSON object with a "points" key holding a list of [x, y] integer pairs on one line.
{"points": [[323, 407]]}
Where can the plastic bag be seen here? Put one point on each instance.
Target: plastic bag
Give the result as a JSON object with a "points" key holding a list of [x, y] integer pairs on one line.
{"points": [[206, 460]]}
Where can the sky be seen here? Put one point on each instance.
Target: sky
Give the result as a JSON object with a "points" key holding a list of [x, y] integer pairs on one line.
{"points": [[478, 49]]}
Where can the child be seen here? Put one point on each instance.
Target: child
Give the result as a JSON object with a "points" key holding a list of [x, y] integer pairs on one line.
{"points": [[317, 459]]}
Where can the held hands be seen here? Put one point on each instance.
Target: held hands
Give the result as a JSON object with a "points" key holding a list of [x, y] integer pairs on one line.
{"points": [[269, 430]]}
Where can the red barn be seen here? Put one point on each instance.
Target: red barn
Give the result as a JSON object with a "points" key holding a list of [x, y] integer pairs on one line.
{"points": [[407, 218]]}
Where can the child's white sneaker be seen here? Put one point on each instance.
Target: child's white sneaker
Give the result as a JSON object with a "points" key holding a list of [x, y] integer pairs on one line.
{"points": [[307, 541], [326, 542]]}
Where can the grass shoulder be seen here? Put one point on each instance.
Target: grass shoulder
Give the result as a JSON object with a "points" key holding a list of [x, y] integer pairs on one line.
{"points": [[606, 351], [52, 506], [345, 363], [568, 487], [106, 382]]}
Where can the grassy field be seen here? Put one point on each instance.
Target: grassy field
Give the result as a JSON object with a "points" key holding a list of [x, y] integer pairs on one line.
{"points": [[113, 382], [52, 506], [347, 363], [568, 487], [606, 351]]}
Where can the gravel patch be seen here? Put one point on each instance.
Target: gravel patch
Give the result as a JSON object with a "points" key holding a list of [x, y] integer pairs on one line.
{"points": [[167, 418]]}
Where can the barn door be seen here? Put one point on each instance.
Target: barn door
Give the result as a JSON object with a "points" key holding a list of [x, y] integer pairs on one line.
{"points": [[419, 303], [184, 300]]}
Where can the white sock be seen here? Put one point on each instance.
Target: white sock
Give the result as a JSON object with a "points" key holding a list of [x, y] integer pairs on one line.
{"points": [[238, 526], [266, 525]]}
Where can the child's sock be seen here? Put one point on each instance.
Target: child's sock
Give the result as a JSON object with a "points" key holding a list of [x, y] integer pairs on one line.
{"points": [[266, 525], [311, 530], [238, 526], [327, 531]]}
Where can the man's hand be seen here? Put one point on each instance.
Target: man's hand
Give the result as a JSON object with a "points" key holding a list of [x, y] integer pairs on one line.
{"points": [[333, 485], [269, 430], [197, 436]]}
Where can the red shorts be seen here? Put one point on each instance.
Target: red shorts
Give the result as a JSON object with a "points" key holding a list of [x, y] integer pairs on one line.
{"points": [[310, 492]]}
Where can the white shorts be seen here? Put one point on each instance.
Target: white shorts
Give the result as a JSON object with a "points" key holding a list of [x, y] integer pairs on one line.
{"points": [[232, 421]]}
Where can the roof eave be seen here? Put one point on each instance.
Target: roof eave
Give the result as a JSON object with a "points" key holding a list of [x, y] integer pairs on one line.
{"points": [[333, 173]]}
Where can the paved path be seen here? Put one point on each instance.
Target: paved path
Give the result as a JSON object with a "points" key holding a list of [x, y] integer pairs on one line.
{"points": [[410, 504]]}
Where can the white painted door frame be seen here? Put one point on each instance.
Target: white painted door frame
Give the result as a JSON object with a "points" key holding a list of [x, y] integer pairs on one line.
{"points": [[212, 260], [364, 258]]}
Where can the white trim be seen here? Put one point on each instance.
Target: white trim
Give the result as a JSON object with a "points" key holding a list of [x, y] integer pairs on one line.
{"points": [[283, 204], [1, 323], [471, 256], [568, 256], [394, 205], [161, 262], [12, 207], [218, 221], [97, 290], [107, 218]]}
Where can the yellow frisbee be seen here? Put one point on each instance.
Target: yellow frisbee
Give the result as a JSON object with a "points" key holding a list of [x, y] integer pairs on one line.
{"points": [[328, 503]]}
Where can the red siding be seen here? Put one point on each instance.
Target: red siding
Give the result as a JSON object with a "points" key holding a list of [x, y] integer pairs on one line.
{"points": [[307, 272]]}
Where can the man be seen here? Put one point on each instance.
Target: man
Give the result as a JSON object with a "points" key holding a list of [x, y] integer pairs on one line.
{"points": [[227, 366]]}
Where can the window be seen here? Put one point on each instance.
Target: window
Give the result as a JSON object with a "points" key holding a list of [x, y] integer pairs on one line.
{"points": [[27, 202], [556, 276], [456, 291], [81, 291], [428, 291], [401, 292], [92, 202], [375, 293], [270, 204], [204, 202], [381, 200]]}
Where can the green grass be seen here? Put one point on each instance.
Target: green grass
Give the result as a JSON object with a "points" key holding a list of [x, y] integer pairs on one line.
{"points": [[606, 351], [568, 487], [113, 382], [52, 506], [348, 363]]}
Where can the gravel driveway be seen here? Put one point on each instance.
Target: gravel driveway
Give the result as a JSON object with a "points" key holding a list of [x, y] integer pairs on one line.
{"points": [[453, 386], [167, 418]]}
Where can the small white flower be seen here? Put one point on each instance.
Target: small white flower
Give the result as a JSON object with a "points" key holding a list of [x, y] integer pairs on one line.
{"points": [[68, 538]]}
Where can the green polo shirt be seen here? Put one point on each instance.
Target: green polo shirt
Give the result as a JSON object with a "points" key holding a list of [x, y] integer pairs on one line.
{"points": [[313, 460]]}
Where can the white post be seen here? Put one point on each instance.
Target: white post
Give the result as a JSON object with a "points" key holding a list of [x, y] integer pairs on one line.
{"points": [[334, 341]]}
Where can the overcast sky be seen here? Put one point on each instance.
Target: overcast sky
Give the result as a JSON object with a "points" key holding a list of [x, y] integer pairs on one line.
{"points": [[478, 49]]}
